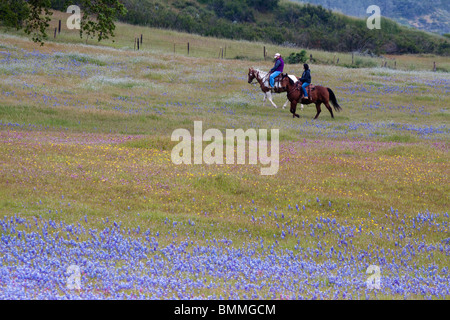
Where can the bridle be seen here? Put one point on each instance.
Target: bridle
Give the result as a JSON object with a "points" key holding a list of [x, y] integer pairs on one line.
{"points": [[256, 75], [293, 89]]}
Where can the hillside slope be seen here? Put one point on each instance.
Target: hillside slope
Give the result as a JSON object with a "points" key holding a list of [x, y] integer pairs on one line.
{"points": [[282, 23], [432, 15]]}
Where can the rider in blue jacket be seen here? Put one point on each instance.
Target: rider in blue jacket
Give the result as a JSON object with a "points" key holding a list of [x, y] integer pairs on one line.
{"points": [[306, 79]]}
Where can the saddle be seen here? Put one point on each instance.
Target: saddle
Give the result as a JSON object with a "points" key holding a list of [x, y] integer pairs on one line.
{"points": [[279, 77], [309, 88], [277, 80]]}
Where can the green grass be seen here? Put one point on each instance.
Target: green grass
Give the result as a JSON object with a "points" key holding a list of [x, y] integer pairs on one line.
{"points": [[85, 59], [399, 138]]}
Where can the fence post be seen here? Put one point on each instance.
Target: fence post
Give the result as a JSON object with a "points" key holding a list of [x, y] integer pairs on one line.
{"points": [[434, 66], [141, 38], [264, 53], [337, 62], [54, 36], [188, 48], [59, 27], [174, 48], [395, 64], [137, 40], [225, 54], [352, 57]]}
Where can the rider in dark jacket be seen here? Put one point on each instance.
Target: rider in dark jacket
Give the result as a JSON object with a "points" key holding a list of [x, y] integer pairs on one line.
{"points": [[306, 79]]}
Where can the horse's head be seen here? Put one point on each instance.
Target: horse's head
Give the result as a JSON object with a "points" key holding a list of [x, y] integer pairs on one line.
{"points": [[286, 80], [251, 75]]}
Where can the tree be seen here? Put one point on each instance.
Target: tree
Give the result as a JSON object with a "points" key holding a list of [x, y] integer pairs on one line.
{"points": [[36, 23], [34, 15], [99, 16], [263, 5], [12, 13], [295, 58]]}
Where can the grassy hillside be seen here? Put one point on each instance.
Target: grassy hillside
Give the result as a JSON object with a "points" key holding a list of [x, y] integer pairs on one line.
{"points": [[279, 23], [86, 176], [166, 41]]}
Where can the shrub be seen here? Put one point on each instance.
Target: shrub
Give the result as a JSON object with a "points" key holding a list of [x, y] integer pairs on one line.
{"points": [[295, 58]]}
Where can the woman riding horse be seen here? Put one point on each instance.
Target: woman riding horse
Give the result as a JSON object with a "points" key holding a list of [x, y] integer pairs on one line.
{"points": [[305, 79], [318, 96]]}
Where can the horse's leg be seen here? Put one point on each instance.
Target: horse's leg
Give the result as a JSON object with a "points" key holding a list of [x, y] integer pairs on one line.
{"points": [[285, 104], [264, 99], [269, 96], [301, 106], [318, 110], [327, 104], [294, 108]]}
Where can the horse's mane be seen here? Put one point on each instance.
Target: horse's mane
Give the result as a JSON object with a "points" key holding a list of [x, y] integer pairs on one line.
{"points": [[291, 81], [260, 71], [264, 74]]}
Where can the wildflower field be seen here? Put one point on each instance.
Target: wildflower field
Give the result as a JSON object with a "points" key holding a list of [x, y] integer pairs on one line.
{"points": [[86, 179]]}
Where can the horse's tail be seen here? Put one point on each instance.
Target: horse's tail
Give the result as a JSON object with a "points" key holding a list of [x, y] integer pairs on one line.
{"points": [[333, 100]]}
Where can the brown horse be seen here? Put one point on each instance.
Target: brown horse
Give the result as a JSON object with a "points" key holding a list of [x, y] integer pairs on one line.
{"points": [[318, 95]]}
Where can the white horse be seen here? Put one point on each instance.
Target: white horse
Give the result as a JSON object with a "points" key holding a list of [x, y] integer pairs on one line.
{"points": [[263, 80]]}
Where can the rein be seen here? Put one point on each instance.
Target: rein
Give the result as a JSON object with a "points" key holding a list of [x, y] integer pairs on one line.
{"points": [[262, 79], [258, 77], [293, 89]]}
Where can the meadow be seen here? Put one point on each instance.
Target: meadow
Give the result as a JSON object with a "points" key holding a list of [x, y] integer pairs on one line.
{"points": [[86, 176]]}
